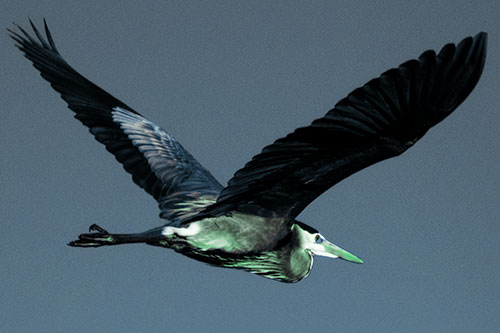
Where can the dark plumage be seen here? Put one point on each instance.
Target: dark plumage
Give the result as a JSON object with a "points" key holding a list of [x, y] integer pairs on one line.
{"points": [[250, 224]]}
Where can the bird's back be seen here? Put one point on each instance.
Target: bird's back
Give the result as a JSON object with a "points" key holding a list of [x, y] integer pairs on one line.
{"points": [[237, 233]]}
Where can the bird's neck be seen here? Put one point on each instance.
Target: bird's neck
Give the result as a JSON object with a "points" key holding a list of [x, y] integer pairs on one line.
{"points": [[301, 260]]}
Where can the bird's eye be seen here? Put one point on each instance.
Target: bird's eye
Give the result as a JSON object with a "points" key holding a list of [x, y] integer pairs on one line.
{"points": [[318, 239]]}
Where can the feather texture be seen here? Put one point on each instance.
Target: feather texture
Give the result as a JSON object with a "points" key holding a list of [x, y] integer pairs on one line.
{"points": [[156, 161], [382, 119]]}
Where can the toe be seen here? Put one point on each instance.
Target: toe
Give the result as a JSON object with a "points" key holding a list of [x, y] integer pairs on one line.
{"points": [[95, 227]]}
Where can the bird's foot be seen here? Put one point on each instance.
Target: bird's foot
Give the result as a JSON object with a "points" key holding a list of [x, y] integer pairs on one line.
{"points": [[93, 239]]}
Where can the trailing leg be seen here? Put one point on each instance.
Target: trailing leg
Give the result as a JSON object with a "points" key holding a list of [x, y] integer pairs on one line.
{"points": [[98, 236]]}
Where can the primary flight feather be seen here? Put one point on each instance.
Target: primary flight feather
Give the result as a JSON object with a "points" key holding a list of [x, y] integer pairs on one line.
{"points": [[250, 224]]}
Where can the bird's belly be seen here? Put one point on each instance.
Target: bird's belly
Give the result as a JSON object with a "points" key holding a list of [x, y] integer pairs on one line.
{"points": [[237, 233]]}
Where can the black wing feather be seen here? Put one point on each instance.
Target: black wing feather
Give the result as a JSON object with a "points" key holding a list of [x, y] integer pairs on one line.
{"points": [[156, 161], [382, 119]]}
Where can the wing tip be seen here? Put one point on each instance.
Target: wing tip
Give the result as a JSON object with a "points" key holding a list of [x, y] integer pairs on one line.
{"points": [[27, 41], [479, 47]]}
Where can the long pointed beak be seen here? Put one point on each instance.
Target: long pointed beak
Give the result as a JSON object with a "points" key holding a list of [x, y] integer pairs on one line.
{"points": [[332, 250]]}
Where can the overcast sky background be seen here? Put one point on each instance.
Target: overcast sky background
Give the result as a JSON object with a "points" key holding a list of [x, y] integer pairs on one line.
{"points": [[227, 78]]}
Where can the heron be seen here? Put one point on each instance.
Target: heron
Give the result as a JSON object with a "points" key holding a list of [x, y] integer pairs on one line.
{"points": [[250, 224]]}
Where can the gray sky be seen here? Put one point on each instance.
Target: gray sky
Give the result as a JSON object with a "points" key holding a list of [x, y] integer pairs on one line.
{"points": [[227, 78]]}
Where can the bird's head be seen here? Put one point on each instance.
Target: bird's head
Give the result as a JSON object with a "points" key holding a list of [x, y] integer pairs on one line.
{"points": [[311, 240]]}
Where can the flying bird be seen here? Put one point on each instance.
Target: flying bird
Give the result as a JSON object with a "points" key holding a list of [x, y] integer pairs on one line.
{"points": [[250, 224]]}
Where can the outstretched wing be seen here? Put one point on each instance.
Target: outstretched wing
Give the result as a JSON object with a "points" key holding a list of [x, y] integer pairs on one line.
{"points": [[156, 161], [382, 119]]}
